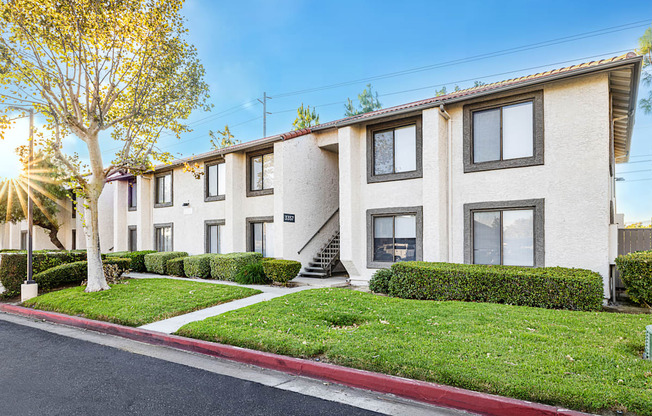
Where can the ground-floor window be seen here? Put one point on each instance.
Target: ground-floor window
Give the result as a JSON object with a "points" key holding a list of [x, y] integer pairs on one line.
{"points": [[73, 245], [393, 235], [132, 238], [23, 240], [261, 235], [505, 233], [213, 236], [163, 237]]}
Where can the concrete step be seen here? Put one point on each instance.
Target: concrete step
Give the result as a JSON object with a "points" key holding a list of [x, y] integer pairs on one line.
{"points": [[313, 274], [314, 269]]}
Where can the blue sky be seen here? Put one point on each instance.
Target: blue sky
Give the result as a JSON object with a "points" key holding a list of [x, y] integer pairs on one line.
{"points": [[248, 47]]}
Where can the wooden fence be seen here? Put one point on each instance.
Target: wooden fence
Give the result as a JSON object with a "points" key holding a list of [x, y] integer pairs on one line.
{"points": [[630, 240]]}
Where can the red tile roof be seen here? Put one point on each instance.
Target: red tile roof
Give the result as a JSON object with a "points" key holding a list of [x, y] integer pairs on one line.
{"points": [[428, 102]]}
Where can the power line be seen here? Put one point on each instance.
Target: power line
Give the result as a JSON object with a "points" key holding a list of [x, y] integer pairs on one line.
{"points": [[636, 180], [551, 42], [634, 171]]}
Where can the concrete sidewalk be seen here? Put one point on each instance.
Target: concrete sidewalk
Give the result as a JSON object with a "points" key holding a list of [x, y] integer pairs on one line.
{"points": [[171, 325]]}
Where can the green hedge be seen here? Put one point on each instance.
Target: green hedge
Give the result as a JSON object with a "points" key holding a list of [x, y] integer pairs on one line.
{"points": [[175, 266], [227, 266], [137, 258], [379, 282], [252, 274], [544, 287], [70, 273], [636, 272], [13, 266], [198, 266], [281, 271], [157, 262]]}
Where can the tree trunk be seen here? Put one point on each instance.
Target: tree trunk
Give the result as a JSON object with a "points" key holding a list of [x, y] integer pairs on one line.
{"points": [[96, 278], [54, 238]]}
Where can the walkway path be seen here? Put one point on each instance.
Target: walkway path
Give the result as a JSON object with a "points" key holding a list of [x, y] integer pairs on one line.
{"points": [[171, 325]]}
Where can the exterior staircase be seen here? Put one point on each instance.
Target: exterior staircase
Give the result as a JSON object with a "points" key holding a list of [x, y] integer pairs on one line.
{"points": [[324, 260]]}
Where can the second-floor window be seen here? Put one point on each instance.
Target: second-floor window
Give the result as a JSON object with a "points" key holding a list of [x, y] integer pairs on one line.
{"points": [[504, 133], [132, 195], [163, 190], [261, 174], [215, 181], [394, 150]]}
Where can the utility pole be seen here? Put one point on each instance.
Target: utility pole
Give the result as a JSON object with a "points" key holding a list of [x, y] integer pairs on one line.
{"points": [[264, 103]]}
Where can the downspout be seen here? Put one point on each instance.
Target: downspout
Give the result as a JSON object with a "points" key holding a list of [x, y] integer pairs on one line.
{"points": [[449, 152], [612, 156]]}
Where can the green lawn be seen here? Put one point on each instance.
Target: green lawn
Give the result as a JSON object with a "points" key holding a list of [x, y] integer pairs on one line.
{"points": [[587, 361], [140, 301]]}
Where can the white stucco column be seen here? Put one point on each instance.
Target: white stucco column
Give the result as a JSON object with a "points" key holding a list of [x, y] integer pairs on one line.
{"points": [[120, 215], [144, 227], [435, 186], [234, 239], [351, 238], [279, 198]]}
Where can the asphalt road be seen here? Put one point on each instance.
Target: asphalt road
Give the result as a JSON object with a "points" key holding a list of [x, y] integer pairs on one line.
{"points": [[42, 373]]}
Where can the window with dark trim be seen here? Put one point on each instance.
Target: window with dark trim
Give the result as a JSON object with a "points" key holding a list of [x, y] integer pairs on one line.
{"points": [[260, 173], [260, 235], [73, 245], [163, 237], [394, 150], [506, 233], [163, 192], [132, 238], [132, 195], [215, 181], [213, 230], [23, 240], [504, 133], [394, 234]]}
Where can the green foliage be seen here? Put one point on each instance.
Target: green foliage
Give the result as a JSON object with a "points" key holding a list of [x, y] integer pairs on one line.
{"points": [[222, 139], [636, 272], [157, 262], [175, 267], [543, 287], [227, 266], [252, 274], [645, 49], [588, 361], [73, 273], [47, 191], [281, 271], [305, 118], [379, 282], [13, 266], [141, 301], [367, 102], [137, 258], [198, 266]]}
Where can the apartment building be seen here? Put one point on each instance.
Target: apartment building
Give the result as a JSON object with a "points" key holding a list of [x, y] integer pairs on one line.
{"points": [[518, 172]]}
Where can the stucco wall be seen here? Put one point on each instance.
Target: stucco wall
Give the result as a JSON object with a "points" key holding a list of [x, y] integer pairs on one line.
{"points": [[574, 181]]}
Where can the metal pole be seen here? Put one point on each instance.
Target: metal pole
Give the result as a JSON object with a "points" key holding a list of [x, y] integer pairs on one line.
{"points": [[30, 219], [264, 114]]}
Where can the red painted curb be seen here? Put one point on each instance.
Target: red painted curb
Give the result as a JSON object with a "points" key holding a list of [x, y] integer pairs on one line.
{"points": [[440, 395]]}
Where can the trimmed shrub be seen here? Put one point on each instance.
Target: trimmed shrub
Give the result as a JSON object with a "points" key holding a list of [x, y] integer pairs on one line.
{"points": [[137, 258], [76, 273], [13, 266], [379, 282], [281, 271], [544, 287], [175, 266], [636, 272], [252, 274], [198, 266], [157, 262], [226, 266]]}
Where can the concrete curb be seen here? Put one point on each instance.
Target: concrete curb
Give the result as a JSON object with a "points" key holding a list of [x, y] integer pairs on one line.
{"points": [[481, 403]]}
